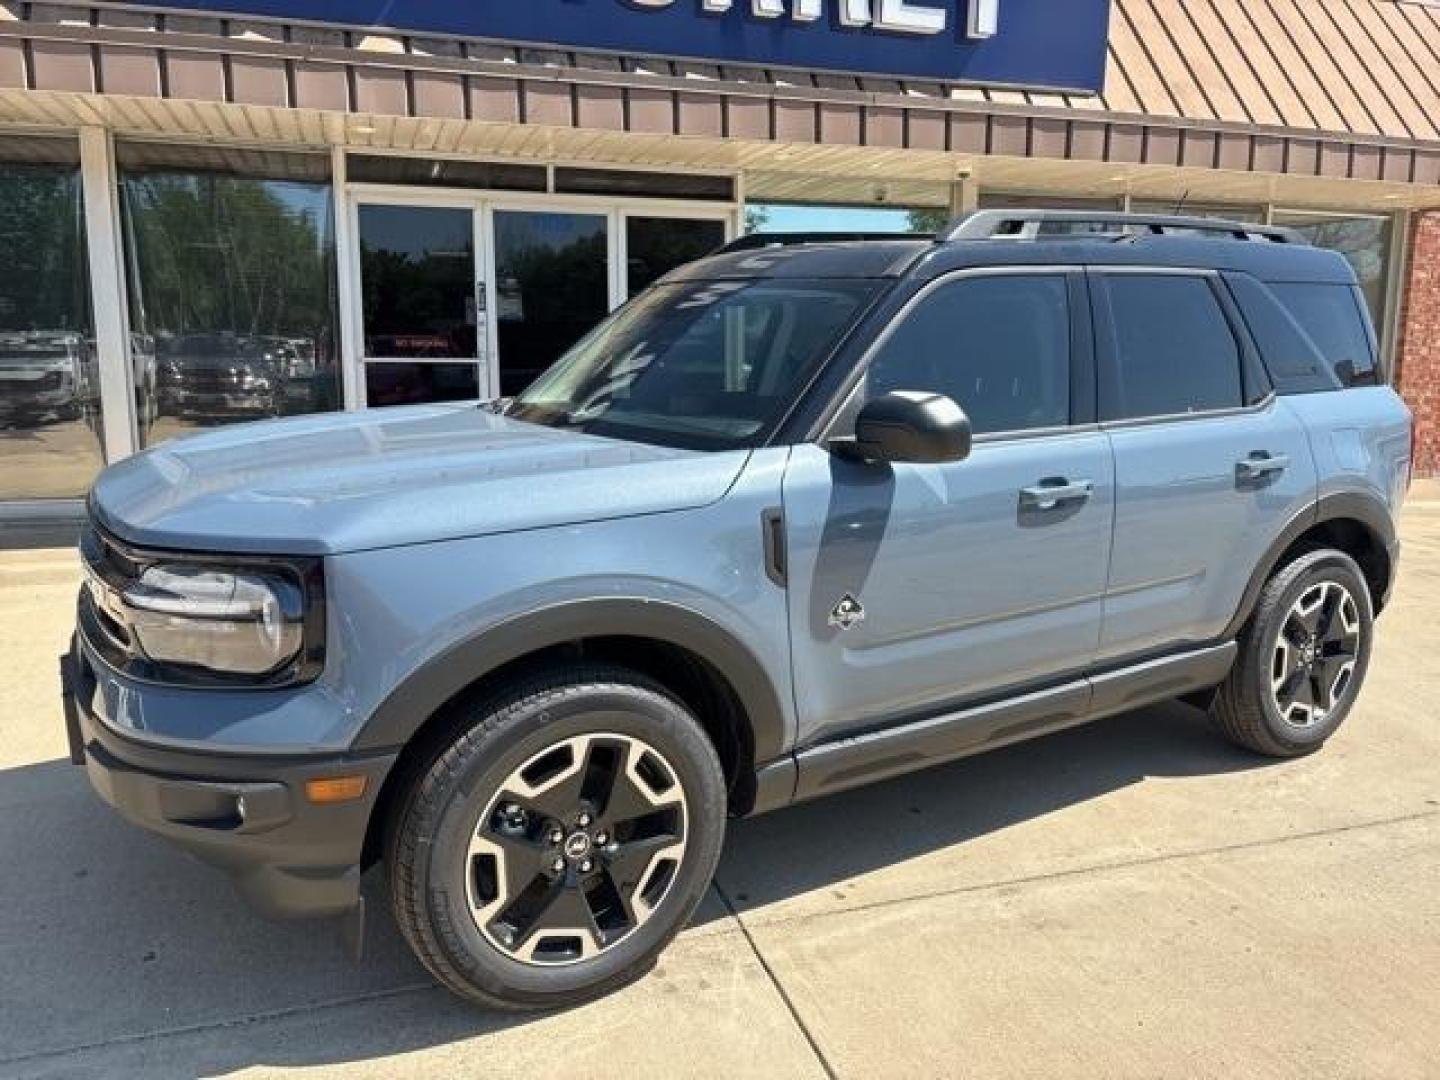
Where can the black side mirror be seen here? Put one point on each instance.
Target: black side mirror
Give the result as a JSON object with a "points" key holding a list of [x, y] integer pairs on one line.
{"points": [[908, 426]]}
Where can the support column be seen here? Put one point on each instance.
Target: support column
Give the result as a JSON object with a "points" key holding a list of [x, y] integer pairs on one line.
{"points": [[348, 344], [964, 195], [1417, 352], [107, 292]]}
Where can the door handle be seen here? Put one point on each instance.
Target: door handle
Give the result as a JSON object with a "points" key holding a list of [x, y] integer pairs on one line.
{"points": [[1260, 465], [1048, 494]]}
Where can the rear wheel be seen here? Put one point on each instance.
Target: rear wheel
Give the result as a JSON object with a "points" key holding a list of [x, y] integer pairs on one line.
{"points": [[555, 847], [1303, 657]]}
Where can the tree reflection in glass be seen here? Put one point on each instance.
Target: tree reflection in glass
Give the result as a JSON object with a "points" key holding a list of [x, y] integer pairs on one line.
{"points": [[232, 296]]}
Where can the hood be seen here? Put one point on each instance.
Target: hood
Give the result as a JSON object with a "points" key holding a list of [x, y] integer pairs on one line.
{"points": [[354, 481]]}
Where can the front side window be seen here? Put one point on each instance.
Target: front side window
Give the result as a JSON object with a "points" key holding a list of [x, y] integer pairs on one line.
{"points": [[999, 346], [1174, 351], [703, 365]]}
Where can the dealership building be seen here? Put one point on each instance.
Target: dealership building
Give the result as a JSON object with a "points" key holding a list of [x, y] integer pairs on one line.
{"points": [[219, 210]]}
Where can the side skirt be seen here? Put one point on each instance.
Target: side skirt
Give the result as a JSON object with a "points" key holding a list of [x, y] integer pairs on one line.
{"points": [[861, 759]]}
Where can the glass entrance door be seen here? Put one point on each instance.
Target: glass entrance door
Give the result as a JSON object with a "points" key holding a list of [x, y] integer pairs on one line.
{"points": [[462, 298], [421, 305], [552, 284]]}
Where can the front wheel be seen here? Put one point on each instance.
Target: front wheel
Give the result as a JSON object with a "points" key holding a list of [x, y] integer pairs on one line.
{"points": [[1303, 657], [550, 852]]}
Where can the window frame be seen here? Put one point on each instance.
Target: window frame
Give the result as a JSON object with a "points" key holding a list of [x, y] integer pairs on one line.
{"points": [[848, 401], [1256, 391]]}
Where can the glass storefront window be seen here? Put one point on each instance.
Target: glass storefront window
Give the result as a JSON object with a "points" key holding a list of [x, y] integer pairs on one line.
{"points": [[654, 246], [1004, 200], [232, 288], [50, 431], [551, 288], [1246, 213], [1364, 241]]}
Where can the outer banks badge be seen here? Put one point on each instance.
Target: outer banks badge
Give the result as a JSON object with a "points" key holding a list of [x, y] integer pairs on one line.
{"points": [[847, 613]]}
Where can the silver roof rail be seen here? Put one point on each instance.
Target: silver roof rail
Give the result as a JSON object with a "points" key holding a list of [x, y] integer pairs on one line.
{"points": [[1030, 225]]}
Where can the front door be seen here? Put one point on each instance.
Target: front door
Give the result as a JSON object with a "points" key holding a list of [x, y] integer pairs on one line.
{"points": [[463, 296], [423, 302], [552, 284], [918, 587]]}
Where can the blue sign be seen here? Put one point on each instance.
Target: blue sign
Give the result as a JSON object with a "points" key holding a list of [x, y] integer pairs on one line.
{"points": [[1050, 44]]}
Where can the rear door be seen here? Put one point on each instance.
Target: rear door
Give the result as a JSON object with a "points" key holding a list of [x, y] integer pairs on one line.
{"points": [[915, 587], [1210, 465]]}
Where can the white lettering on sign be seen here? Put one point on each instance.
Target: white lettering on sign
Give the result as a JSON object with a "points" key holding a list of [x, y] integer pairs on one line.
{"points": [[900, 16]]}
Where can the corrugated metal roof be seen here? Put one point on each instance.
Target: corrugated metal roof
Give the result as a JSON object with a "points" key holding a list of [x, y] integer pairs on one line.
{"points": [[1367, 67]]}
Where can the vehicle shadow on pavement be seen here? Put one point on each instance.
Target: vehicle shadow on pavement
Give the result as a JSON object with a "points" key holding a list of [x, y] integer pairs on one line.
{"points": [[120, 955], [825, 843]]}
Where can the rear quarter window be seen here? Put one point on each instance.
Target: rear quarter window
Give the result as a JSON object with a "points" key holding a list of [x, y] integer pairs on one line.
{"points": [[1335, 320], [1293, 360]]}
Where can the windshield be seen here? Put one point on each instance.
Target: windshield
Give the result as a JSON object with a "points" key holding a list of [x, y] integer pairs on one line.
{"points": [[709, 365]]}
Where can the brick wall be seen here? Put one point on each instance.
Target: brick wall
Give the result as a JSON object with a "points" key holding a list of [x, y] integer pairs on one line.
{"points": [[1417, 358]]}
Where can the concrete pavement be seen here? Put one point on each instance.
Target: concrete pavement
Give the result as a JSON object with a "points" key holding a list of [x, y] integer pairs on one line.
{"points": [[1132, 899]]}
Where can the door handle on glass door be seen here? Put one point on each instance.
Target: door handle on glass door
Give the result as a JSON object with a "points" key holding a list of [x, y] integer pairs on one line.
{"points": [[1048, 494], [1260, 465]]}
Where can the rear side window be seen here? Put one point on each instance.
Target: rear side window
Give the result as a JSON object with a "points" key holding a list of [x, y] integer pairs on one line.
{"points": [[1295, 363], [1174, 351], [1333, 317], [1000, 346]]}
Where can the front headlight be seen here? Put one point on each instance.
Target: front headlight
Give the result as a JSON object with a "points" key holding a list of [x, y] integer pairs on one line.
{"points": [[202, 619], [232, 622]]}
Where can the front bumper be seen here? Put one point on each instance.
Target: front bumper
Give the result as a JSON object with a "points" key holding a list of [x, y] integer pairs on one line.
{"points": [[245, 813], [222, 403]]}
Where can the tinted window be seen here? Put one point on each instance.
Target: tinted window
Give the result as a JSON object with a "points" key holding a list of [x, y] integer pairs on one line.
{"points": [[1174, 350], [710, 365], [1000, 346], [1294, 363], [1332, 317]]}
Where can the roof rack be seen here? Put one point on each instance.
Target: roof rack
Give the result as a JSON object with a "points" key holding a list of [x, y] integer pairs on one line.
{"points": [[1030, 225], [758, 240]]}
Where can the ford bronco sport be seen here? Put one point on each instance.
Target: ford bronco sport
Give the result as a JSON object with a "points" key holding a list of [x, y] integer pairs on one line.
{"points": [[802, 516]]}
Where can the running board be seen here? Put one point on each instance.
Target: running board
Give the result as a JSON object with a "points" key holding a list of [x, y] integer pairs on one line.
{"points": [[877, 755]]}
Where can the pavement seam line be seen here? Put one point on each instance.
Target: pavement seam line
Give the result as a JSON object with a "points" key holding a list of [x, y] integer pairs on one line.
{"points": [[1081, 871], [779, 986], [218, 1025]]}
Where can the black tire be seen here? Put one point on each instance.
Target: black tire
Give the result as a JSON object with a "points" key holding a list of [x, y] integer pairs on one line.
{"points": [[1247, 706], [439, 815]]}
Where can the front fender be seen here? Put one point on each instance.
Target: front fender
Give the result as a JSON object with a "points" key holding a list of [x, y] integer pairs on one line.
{"points": [[442, 677]]}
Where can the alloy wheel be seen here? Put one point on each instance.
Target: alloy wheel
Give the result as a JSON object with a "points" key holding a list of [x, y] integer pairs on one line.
{"points": [[576, 849], [1315, 654]]}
